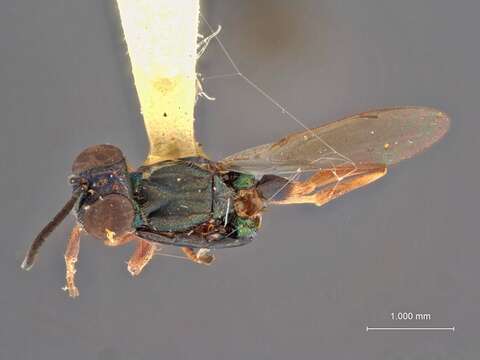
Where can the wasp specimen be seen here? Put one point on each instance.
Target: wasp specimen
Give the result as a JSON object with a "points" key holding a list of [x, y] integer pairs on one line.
{"points": [[200, 205]]}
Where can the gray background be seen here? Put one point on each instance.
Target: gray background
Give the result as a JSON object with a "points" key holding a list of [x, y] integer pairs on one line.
{"points": [[316, 277]]}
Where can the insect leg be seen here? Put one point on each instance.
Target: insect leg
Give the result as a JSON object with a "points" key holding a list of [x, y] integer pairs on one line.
{"points": [[141, 256], [202, 256], [71, 257], [328, 176], [301, 192]]}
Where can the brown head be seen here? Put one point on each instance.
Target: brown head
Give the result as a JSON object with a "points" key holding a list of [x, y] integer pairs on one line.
{"points": [[101, 198], [106, 210]]}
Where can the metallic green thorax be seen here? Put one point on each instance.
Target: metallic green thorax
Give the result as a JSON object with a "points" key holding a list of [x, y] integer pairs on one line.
{"points": [[175, 196], [244, 181]]}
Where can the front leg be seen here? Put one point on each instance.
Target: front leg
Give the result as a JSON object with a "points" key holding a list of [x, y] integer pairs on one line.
{"points": [[202, 256], [71, 257], [141, 256]]}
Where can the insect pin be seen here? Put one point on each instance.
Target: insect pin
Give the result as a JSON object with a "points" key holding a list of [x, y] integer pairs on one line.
{"points": [[201, 205]]}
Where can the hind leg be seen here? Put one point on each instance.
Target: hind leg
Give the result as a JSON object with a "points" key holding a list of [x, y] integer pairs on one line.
{"points": [[202, 256], [301, 192]]}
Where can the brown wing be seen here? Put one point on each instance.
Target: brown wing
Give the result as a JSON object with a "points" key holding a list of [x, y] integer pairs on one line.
{"points": [[384, 136]]}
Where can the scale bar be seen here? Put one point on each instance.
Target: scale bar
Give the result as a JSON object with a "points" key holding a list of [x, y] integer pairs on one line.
{"points": [[452, 329]]}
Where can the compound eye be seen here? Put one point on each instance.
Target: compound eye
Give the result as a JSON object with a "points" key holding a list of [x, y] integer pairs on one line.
{"points": [[112, 214], [96, 156]]}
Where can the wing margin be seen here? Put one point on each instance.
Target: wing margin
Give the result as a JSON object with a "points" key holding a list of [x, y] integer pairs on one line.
{"points": [[384, 136]]}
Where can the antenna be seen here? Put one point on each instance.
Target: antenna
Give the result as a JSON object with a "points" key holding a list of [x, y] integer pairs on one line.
{"points": [[47, 230]]}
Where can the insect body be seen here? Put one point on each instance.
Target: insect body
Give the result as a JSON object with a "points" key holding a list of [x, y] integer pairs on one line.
{"points": [[184, 202], [200, 205]]}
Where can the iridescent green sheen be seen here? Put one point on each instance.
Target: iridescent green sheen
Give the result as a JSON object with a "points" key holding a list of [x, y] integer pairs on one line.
{"points": [[176, 196], [245, 227], [244, 181]]}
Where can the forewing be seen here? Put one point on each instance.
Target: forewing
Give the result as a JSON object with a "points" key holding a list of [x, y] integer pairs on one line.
{"points": [[384, 136]]}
